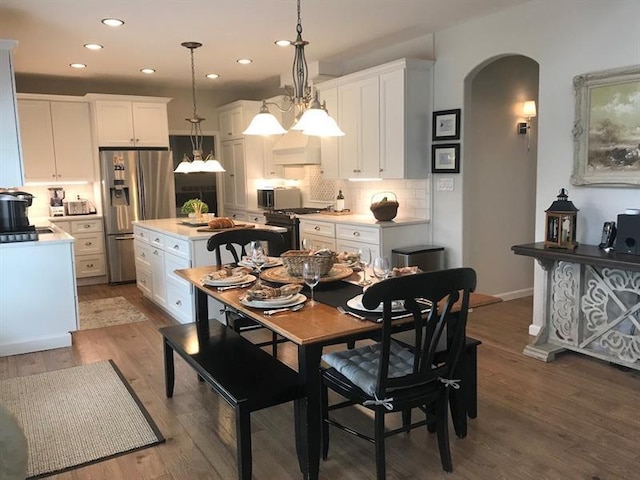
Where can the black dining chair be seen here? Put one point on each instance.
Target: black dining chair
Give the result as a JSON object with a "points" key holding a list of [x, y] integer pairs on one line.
{"points": [[387, 377], [235, 242]]}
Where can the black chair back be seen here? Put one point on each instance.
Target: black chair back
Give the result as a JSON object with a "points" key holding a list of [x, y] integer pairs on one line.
{"points": [[443, 289], [235, 242]]}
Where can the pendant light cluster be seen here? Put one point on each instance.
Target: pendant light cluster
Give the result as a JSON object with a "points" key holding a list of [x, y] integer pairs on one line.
{"points": [[312, 117], [197, 164]]}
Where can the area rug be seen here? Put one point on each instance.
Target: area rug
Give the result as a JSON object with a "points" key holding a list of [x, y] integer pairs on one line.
{"points": [[77, 416], [107, 312]]}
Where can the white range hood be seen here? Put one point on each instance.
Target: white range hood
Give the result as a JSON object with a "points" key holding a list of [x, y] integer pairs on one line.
{"points": [[295, 148]]}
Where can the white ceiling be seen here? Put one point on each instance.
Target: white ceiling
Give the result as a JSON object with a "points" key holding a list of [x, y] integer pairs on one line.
{"points": [[51, 35]]}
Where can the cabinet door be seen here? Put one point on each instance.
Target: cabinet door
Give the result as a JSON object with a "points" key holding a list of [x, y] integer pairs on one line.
{"points": [[150, 124], [240, 175], [228, 175], [158, 280], [231, 123], [329, 145], [73, 143], [392, 124], [36, 131], [12, 172], [114, 123]]}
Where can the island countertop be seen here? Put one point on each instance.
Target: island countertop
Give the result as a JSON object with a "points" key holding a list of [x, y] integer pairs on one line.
{"points": [[175, 227]]}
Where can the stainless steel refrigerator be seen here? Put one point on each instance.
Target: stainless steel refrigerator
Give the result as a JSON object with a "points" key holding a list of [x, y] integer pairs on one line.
{"points": [[136, 185]]}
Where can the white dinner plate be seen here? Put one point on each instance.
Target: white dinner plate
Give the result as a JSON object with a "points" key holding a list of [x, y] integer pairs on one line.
{"points": [[290, 302], [271, 262], [356, 304], [228, 281]]}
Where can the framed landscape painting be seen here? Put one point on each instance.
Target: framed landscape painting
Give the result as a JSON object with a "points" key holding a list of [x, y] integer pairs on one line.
{"points": [[607, 128]]}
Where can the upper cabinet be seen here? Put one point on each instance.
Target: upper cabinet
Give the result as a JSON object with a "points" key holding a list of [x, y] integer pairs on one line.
{"points": [[56, 140], [131, 122], [232, 122], [385, 113], [11, 173]]}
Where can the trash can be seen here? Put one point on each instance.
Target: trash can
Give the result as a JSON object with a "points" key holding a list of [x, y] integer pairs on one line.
{"points": [[427, 257]]}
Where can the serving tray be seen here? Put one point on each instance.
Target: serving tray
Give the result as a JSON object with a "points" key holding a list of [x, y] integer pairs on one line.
{"points": [[281, 275], [238, 226]]}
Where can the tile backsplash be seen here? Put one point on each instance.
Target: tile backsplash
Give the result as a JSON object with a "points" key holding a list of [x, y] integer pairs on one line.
{"points": [[40, 205]]}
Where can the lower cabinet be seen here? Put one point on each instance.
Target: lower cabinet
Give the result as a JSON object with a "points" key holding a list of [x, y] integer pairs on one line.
{"points": [[89, 252], [318, 234]]}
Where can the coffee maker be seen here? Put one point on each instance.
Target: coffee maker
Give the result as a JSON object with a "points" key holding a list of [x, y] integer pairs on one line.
{"points": [[14, 223], [56, 196]]}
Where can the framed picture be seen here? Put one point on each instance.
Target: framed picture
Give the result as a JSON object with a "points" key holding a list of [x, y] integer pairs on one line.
{"points": [[445, 158], [446, 125], [606, 137]]}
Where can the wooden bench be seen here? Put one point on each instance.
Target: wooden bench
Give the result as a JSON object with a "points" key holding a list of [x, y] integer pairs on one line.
{"points": [[245, 376]]}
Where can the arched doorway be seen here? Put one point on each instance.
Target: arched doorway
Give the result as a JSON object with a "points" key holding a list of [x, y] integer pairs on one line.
{"points": [[499, 185]]}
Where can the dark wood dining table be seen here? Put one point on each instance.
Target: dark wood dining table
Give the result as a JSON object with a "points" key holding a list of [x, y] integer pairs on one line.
{"points": [[310, 329]]}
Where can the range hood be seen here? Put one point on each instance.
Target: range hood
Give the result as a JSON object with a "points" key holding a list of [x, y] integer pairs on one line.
{"points": [[295, 148]]}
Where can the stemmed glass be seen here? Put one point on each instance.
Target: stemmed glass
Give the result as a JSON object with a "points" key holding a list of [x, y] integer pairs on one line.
{"points": [[258, 258], [305, 244], [364, 260], [311, 276], [381, 268]]}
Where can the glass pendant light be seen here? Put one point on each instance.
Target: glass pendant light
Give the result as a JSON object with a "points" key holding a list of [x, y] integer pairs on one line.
{"points": [[264, 123]]}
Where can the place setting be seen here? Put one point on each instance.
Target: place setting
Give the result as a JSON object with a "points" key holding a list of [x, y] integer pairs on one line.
{"points": [[229, 277], [274, 299]]}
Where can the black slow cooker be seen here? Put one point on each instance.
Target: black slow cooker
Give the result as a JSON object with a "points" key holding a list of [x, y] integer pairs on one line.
{"points": [[13, 210]]}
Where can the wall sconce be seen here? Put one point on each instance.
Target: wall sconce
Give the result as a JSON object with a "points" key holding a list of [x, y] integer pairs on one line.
{"points": [[529, 111]]}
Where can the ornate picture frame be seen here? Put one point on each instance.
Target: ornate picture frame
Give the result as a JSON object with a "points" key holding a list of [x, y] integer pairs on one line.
{"points": [[446, 125], [606, 132], [445, 158]]}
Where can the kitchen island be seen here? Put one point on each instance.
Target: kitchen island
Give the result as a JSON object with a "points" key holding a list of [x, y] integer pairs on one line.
{"points": [[38, 297], [165, 245]]}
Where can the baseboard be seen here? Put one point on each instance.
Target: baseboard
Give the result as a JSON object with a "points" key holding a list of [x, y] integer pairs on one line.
{"points": [[525, 292], [35, 345]]}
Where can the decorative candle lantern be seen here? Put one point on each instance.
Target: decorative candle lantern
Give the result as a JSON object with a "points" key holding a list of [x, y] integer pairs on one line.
{"points": [[560, 224]]}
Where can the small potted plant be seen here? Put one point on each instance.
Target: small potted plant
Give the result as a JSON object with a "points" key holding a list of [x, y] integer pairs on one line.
{"points": [[194, 208]]}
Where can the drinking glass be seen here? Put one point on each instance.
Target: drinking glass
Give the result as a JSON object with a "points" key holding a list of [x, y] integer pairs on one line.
{"points": [[381, 268], [364, 260], [258, 258], [311, 276], [305, 244]]}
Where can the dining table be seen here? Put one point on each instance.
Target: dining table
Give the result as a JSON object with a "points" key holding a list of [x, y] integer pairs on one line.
{"points": [[310, 329]]}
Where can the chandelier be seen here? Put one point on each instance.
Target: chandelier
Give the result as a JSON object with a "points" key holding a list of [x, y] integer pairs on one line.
{"points": [[311, 117], [197, 164]]}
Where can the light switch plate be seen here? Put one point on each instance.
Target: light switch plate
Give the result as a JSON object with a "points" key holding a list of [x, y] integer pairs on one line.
{"points": [[445, 185]]}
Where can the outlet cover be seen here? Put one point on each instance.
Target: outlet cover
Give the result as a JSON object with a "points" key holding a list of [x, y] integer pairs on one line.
{"points": [[445, 185]]}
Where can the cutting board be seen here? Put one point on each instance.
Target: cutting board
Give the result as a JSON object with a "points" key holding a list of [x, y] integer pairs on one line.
{"points": [[238, 226], [343, 212]]}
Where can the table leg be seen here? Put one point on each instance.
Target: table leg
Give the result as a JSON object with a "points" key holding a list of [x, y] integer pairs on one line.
{"points": [[169, 372], [202, 314], [307, 411]]}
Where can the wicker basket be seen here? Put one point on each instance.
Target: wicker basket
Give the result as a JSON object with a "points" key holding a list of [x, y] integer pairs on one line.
{"points": [[294, 259], [384, 206]]}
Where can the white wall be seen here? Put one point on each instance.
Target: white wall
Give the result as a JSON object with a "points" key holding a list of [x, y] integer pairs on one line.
{"points": [[566, 38]]}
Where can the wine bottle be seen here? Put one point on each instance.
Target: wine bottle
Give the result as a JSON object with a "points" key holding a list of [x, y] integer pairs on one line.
{"points": [[340, 202]]}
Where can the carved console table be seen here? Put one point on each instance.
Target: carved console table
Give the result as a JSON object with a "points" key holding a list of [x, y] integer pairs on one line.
{"points": [[591, 303]]}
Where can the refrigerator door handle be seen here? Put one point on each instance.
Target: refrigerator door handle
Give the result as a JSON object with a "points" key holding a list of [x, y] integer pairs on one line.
{"points": [[126, 237], [142, 195]]}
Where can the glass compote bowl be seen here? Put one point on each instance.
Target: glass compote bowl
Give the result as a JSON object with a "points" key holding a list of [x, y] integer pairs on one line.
{"points": [[311, 276]]}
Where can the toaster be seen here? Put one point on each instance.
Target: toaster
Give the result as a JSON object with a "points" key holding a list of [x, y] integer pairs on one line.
{"points": [[77, 207]]}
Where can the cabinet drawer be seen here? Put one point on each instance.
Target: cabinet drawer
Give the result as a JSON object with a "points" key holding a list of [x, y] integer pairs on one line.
{"points": [[143, 252], [86, 226], [237, 215], [141, 234], [354, 246], [256, 217], [143, 278], [156, 239], [358, 233], [89, 244], [174, 262], [90, 266], [179, 302], [323, 229], [316, 242], [177, 246]]}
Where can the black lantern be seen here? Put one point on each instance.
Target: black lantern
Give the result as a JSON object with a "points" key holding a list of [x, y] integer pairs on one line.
{"points": [[560, 224]]}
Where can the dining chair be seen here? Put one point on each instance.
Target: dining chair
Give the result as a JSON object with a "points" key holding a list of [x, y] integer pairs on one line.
{"points": [[235, 242], [387, 377]]}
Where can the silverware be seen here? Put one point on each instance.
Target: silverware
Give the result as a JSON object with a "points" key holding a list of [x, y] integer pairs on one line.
{"points": [[348, 312], [295, 308], [231, 287]]}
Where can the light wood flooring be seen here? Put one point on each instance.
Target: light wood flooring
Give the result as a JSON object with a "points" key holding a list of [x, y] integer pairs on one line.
{"points": [[575, 418]]}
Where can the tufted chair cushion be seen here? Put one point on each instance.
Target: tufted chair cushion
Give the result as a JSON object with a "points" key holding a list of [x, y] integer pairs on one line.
{"points": [[13, 448], [360, 365]]}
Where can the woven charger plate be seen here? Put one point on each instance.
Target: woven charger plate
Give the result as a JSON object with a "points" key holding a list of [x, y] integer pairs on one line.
{"points": [[281, 275]]}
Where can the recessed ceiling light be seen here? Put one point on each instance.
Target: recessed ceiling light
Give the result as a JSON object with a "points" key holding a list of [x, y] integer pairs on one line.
{"points": [[93, 46], [283, 43], [112, 22], [148, 71], [77, 65], [212, 75], [244, 61]]}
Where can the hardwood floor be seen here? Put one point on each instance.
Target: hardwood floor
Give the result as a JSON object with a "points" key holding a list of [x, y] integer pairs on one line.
{"points": [[575, 418]]}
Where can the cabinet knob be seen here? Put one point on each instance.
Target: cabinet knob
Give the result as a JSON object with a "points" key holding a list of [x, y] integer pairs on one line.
{"points": [[142, 255], [143, 281], [229, 133], [316, 227], [54, 175], [87, 244], [131, 140], [137, 140], [176, 247], [381, 170], [178, 302], [155, 252], [157, 239], [231, 175], [356, 234], [86, 225], [355, 171], [89, 265]]}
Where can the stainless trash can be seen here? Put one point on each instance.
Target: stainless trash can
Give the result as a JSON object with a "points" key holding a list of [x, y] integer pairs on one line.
{"points": [[427, 257]]}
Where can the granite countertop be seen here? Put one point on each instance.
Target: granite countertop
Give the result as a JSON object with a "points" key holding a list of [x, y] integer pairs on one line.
{"points": [[174, 227], [365, 220]]}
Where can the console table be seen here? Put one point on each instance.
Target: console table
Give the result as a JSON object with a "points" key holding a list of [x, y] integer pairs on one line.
{"points": [[591, 303]]}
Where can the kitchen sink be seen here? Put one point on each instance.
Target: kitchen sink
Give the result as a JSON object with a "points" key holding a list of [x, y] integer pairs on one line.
{"points": [[43, 230]]}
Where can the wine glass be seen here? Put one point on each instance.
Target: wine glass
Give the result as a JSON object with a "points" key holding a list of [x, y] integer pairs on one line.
{"points": [[364, 259], [311, 276], [258, 258], [381, 268], [305, 244]]}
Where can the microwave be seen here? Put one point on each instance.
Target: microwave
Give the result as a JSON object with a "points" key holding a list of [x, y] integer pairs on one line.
{"points": [[278, 198]]}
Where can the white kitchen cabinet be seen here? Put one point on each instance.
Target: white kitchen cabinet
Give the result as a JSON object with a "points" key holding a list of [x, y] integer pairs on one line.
{"points": [[236, 215], [56, 140], [132, 123], [256, 216], [318, 234], [234, 177], [89, 251], [231, 121], [329, 145], [158, 280], [11, 170]]}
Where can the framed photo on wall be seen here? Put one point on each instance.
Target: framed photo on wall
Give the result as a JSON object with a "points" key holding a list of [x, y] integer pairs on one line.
{"points": [[445, 158], [446, 125]]}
